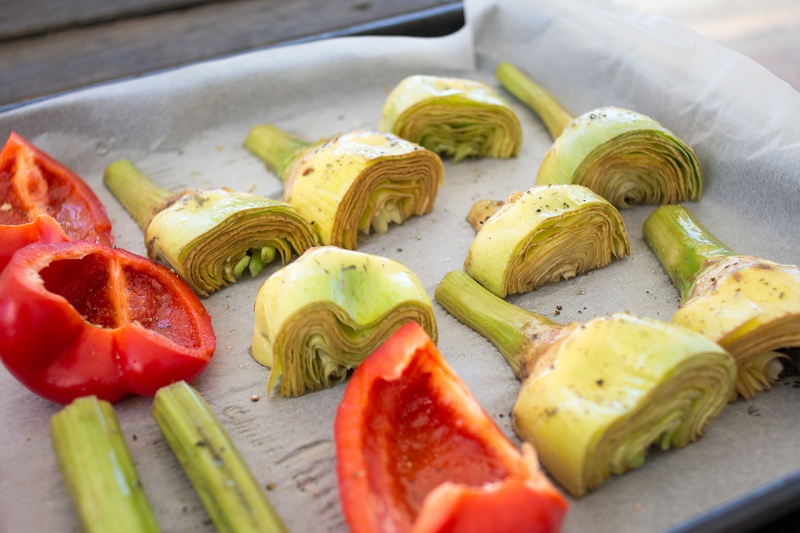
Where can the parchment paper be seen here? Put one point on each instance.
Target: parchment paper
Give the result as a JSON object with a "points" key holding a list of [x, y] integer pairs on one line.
{"points": [[186, 127]]}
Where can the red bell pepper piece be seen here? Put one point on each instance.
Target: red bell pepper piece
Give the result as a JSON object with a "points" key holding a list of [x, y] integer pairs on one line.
{"points": [[78, 318], [41, 200], [416, 452]]}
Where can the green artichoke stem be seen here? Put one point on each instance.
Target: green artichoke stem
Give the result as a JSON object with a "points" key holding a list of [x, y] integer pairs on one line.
{"points": [[230, 493], [137, 193], [549, 109], [681, 244], [274, 146], [512, 330], [98, 469]]}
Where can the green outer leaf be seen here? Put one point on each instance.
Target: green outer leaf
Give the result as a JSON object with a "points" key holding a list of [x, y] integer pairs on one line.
{"points": [[98, 470], [232, 496]]}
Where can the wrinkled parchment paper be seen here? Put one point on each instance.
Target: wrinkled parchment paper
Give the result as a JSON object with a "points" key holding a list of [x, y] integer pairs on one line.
{"points": [[186, 127]]}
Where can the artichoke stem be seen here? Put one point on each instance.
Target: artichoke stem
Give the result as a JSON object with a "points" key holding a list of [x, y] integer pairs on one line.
{"points": [[274, 146], [230, 493], [549, 109], [138, 194], [98, 469], [681, 244], [511, 329]]}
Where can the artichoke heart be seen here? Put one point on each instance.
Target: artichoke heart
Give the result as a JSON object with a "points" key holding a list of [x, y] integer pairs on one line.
{"points": [[624, 156], [320, 316], [596, 396], [606, 390], [545, 234], [355, 182], [210, 236], [749, 305], [454, 117]]}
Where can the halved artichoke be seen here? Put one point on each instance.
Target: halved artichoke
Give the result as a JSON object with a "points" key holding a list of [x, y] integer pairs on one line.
{"points": [[546, 234], [624, 156], [320, 316], [596, 396], [606, 390], [749, 305], [209, 237], [454, 117], [351, 183]]}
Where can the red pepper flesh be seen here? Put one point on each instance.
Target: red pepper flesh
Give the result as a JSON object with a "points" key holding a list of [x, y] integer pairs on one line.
{"points": [[416, 452], [78, 318], [44, 228], [33, 185]]}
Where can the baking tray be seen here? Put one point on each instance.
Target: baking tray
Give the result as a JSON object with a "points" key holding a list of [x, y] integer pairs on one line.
{"points": [[186, 127]]}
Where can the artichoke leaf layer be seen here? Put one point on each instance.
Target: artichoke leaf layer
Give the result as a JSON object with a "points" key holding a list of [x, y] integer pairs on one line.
{"points": [[320, 316], [205, 235], [607, 390], [750, 306], [360, 182], [453, 117], [546, 234], [625, 157]]}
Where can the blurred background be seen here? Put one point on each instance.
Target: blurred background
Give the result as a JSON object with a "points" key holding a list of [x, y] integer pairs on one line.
{"points": [[49, 46], [767, 31]]}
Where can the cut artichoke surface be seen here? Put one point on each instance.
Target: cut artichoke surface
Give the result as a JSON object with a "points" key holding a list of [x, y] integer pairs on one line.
{"points": [[545, 234], [320, 316], [454, 117], [209, 237], [749, 305], [596, 396], [353, 183], [624, 156]]}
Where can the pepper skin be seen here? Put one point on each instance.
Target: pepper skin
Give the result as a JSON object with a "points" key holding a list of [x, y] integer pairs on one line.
{"points": [[79, 319], [41, 200], [416, 453]]}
